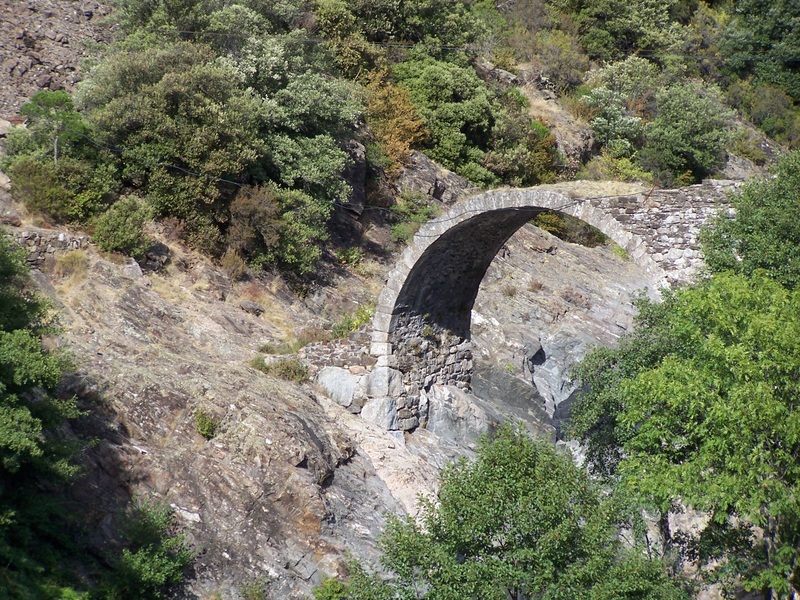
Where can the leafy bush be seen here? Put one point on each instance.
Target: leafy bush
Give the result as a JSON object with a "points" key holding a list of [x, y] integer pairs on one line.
{"points": [[412, 210], [121, 228], [35, 183], [290, 369], [393, 120], [606, 166], [769, 108], [745, 145], [350, 323], [560, 58], [660, 412], [331, 589], [688, 134], [520, 521], [155, 559], [206, 424], [764, 234], [456, 106], [634, 79], [350, 257]]}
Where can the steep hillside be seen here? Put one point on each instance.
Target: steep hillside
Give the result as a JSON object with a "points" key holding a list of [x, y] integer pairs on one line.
{"points": [[290, 481]]}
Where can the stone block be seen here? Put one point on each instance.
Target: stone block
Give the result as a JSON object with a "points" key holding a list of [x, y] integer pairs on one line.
{"points": [[383, 381], [407, 424], [381, 412], [339, 384]]}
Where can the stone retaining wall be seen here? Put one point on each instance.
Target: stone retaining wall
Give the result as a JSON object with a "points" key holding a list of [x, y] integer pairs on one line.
{"points": [[43, 245]]}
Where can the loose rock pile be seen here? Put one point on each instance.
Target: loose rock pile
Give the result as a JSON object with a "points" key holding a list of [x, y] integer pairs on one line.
{"points": [[43, 43]]}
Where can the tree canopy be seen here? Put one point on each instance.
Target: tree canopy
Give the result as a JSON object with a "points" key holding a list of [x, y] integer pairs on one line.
{"points": [[764, 231], [520, 521]]}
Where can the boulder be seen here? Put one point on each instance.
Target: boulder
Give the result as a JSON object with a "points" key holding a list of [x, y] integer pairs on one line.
{"points": [[459, 417], [339, 384], [383, 381], [381, 412]]}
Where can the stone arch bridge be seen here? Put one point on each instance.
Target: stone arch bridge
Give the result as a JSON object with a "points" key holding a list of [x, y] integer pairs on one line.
{"points": [[421, 329]]}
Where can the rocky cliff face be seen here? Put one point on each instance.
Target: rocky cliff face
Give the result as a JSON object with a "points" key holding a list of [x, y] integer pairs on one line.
{"points": [[43, 43]]}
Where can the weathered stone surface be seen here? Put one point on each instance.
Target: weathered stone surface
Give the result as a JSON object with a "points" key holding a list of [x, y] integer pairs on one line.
{"points": [[42, 46], [383, 381], [456, 416], [425, 176], [381, 412], [339, 384]]}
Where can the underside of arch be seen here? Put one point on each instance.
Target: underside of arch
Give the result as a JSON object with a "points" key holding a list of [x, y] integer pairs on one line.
{"points": [[443, 284]]}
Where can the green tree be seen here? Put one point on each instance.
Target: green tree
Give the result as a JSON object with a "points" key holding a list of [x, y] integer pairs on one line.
{"points": [[31, 450], [699, 407], [521, 521], [686, 140], [54, 120], [763, 39], [764, 232]]}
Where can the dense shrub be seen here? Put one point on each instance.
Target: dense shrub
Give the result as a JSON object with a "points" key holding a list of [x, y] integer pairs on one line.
{"points": [[764, 234], [155, 558], [686, 140], [290, 369], [411, 211], [121, 228], [393, 120], [769, 108], [484, 136]]}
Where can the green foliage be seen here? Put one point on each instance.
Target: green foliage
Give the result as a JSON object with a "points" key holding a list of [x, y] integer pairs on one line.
{"points": [[121, 228], [746, 145], [769, 108], [53, 121], [180, 126], [155, 559], [698, 405], [331, 589], [350, 257], [688, 134], [618, 132], [54, 168], [254, 590], [765, 232], [189, 127], [613, 29], [456, 106], [635, 79], [206, 424], [35, 183], [34, 544], [350, 323], [606, 166], [766, 29], [412, 210], [485, 137], [560, 58], [519, 521]]}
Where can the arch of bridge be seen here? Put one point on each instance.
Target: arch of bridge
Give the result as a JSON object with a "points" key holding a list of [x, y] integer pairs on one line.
{"points": [[422, 318]]}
